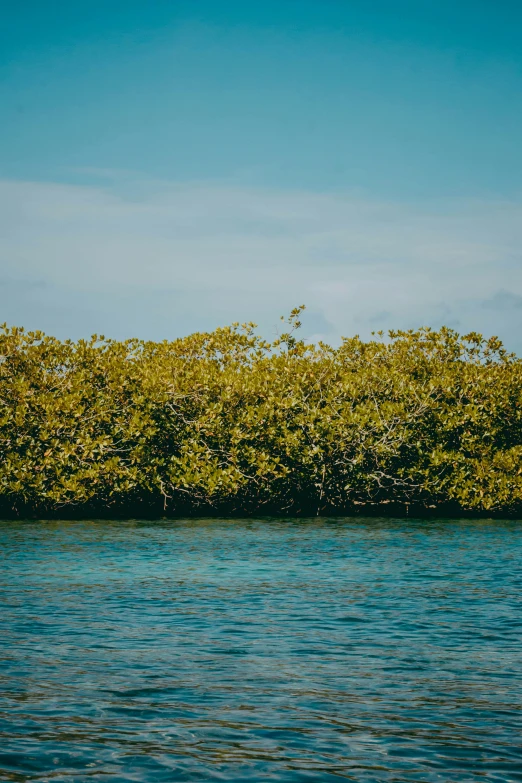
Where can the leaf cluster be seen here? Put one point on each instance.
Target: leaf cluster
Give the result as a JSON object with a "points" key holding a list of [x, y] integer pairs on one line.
{"points": [[230, 422]]}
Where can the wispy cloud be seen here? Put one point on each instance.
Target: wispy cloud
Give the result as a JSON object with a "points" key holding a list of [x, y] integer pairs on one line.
{"points": [[159, 259], [503, 300]]}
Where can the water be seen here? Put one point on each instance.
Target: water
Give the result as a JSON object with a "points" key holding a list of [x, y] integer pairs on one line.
{"points": [[365, 650]]}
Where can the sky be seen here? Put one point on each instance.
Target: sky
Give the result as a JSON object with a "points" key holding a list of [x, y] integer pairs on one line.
{"points": [[169, 167]]}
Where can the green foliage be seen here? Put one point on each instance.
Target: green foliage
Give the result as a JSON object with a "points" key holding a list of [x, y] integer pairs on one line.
{"points": [[228, 421]]}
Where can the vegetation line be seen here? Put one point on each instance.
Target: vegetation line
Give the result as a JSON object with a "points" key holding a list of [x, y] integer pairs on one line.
{"points": [[230, 423]]}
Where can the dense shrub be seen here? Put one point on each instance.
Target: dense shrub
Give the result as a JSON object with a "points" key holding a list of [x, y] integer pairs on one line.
{"points": [[229, 422]]}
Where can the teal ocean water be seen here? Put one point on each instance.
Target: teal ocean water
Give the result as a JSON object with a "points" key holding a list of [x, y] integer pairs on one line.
{"points": [[254, 650]]}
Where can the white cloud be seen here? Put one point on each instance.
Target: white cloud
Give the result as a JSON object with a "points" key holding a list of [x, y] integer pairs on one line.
{"points": [[162, 259]]}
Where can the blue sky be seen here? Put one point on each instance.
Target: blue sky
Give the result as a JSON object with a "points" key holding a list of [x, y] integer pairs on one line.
{"points": [[171, 166]]}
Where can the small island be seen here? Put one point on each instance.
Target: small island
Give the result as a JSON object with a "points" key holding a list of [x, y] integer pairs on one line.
{"points": [[227, 423]]}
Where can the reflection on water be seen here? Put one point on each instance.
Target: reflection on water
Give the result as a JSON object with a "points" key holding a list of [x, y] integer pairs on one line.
{"points": [[363, 650]]}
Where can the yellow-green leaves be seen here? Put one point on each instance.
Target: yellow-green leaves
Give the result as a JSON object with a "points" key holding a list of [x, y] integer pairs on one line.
{"points": [[226, 420]]}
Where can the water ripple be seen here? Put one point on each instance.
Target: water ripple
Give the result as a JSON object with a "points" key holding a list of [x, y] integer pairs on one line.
{"points": [[324, 650]]}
